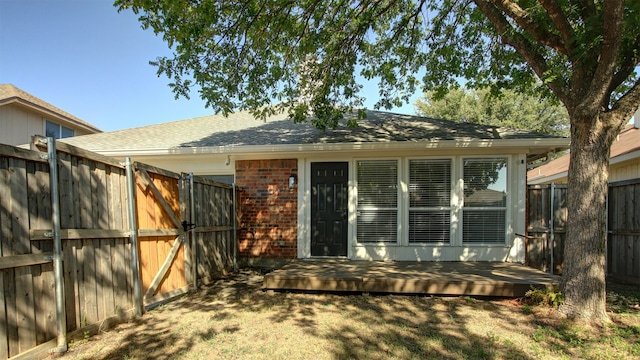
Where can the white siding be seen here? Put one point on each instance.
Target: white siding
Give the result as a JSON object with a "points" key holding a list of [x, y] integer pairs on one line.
{"points": [[625, 171], [18, 125]]}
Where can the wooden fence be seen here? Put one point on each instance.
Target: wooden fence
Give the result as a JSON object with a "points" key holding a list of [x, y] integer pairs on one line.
{"points": [[623, 239], [545, 238], [99, 242]]}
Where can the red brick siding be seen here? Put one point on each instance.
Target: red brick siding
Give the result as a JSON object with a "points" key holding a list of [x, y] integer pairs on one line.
{"points": [[268, 209]]}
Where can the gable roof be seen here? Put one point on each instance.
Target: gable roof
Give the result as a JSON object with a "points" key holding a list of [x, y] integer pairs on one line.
{"points": [[627, 143], [10, 94], [242, 132]]}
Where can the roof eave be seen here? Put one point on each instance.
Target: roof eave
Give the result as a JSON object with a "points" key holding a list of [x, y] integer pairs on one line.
{"points": [[48, 112], [542, 144], [542, 179]]}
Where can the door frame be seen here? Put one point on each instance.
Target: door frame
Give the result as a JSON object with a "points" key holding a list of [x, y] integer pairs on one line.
{"points": [[304, 206]]}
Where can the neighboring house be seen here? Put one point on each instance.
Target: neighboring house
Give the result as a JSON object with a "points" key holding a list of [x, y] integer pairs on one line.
{"points": [[397, 187], [624, 163], [23, 115]]}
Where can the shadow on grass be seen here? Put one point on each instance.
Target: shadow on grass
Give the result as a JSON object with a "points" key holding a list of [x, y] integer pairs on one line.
{"points": [[231, 317]]}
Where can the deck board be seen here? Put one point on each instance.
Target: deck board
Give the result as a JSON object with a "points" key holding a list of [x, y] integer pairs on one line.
{"points": [[437, 278]]}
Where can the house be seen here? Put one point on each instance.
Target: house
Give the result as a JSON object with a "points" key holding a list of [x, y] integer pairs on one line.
{"points": [[23, 115], [397, 187], [624, 163]]}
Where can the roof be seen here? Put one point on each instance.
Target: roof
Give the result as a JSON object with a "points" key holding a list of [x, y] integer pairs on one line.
{"points": [[627, 142], [11, 94], [241, 130]]}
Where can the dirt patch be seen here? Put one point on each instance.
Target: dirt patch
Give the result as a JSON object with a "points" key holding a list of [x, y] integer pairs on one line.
{"points": [[234, 319]]}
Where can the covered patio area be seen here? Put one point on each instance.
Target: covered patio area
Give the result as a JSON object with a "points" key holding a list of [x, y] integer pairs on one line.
{"points": [[437, 278]]}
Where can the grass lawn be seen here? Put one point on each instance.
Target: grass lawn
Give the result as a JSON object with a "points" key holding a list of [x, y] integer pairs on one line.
{"points": [[234, 319]]}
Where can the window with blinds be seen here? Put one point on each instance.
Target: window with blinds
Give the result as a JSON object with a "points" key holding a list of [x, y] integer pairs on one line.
{"points": [[429, 201], [485, 201], [377, 183]]}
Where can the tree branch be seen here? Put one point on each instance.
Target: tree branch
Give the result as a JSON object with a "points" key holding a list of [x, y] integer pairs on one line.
{"points": [[626, 68], [613, 21], [530, 26], [522, 46], [560, 20], [587, 8], [627, 104]]}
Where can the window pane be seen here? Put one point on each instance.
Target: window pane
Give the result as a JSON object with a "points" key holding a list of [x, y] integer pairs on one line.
{"points": [[485, 182], [429, 226], [376, 226], [483, 226], [52, 130], [378, 183], [429, 183], [66, 132]]}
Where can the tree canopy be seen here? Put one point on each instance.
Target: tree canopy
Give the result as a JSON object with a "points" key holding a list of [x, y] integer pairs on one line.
{"points": [[511, 109], [304, 56]]}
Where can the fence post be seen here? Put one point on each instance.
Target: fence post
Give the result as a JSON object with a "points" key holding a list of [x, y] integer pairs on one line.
{"points": [[192, 232], [551, 224], [61, 317], [133, 235], [235, 231]]}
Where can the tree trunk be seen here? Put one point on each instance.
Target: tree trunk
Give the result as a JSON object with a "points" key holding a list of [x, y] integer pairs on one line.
{"points": [[583, 273]]}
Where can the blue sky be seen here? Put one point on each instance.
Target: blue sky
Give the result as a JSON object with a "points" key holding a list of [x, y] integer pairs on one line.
{"points": [[93, 62]]}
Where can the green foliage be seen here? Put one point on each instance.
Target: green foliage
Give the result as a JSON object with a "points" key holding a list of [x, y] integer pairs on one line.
{"points": [[303, 56], [543, 297], [511, 109]]}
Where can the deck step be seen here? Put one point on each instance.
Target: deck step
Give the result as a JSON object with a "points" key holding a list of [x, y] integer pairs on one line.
{"points": [[437, 278]]}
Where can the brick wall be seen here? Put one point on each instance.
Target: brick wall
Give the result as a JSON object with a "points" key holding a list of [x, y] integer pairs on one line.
{"points": [[269, 209]]}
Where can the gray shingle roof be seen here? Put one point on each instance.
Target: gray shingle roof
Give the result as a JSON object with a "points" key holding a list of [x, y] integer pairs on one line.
{"points": [[242, 128]]}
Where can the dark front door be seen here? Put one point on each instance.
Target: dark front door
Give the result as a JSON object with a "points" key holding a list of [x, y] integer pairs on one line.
{"points": [[329, 208]]}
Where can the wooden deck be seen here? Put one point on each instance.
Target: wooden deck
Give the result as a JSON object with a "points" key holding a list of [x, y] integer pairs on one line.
{"points": [[438, 278]]}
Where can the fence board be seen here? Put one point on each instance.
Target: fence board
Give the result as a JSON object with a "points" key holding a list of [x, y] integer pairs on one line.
{"points": [[24, 291], [44, 279], [5, 230]]}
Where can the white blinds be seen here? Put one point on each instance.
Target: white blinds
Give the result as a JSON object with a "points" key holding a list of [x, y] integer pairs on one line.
{"points": [[377, 183], [483, 226], [485, 199], [429, 200], [429, 226], [377, 219]]}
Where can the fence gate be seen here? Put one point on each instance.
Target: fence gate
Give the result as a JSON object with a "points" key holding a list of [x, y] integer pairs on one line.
{"points": [[546, 226], [160, 234], [208, 211]]}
